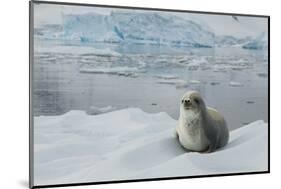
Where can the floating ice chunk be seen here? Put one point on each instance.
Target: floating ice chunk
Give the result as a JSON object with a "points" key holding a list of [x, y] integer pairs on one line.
{"points": [[183, 60], [172, 81], [110, 70], [238, 68], [193, 67], [218, 68], [182, 85], [194, 82], [77, 50], [205, 67], [235, 84], [167, 76], [250, 102], [215, 83], [262, 74], [128, 74], [133, 75], [141, 64]]}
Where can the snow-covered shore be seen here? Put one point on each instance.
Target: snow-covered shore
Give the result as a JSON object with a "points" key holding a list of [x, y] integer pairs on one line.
{"points": [[132, 144]]}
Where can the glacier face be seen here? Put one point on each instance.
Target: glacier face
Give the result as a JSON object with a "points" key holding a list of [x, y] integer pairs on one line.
{"points": [[160, 29], [142, 28], [88, 27]]}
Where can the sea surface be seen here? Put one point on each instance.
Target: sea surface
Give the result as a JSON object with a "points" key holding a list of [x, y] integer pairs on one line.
{"points": [[86, 76]]}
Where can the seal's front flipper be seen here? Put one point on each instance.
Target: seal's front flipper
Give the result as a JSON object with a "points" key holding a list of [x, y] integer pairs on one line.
{"points": [[209, 149]]}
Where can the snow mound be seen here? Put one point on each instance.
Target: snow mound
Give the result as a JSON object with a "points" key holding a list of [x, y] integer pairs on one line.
{"points": [[132, 144]]}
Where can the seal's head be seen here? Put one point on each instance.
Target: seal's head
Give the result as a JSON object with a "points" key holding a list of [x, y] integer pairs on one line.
{"points": [[192, 101]]}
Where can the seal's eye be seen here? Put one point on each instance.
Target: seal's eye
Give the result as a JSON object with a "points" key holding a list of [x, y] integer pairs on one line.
{"points": [[182, 101], [196, 100]]}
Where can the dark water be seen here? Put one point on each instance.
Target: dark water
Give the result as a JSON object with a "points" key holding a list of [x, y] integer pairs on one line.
{"points": [[59, 86]]}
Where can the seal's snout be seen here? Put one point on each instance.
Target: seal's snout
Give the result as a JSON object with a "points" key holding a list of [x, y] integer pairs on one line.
{"points": [[187, 103]]}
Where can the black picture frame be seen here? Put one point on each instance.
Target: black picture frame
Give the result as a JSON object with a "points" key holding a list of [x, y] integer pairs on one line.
{"points": [[31, 50]]}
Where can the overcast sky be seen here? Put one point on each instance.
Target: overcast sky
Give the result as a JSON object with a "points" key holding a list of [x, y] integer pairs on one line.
{"points": [[220, 24]]}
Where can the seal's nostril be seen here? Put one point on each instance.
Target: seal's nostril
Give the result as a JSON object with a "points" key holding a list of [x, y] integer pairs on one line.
{"points": [[186, 101]]}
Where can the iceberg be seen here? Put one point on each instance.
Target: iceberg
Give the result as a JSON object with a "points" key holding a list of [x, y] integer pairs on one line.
{"points": [[132, 144], [260, 42], [228, 40]]}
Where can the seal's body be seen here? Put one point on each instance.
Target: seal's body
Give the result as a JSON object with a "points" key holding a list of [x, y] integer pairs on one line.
{"points": [[200, 128]]}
